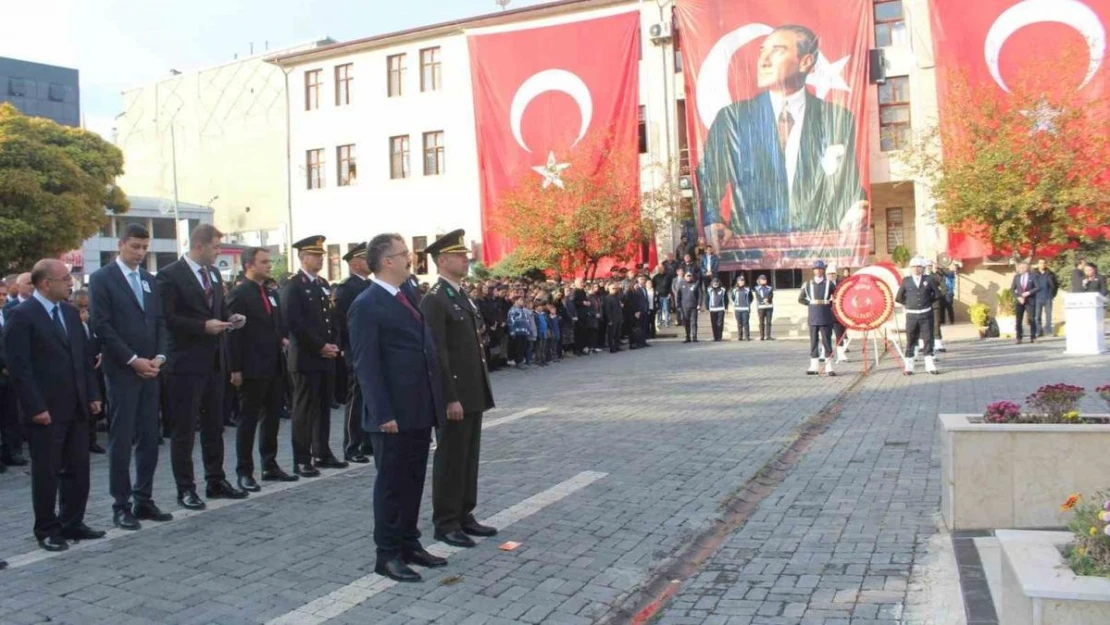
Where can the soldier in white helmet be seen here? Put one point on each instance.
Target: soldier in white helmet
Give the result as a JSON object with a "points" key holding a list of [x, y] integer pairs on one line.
{"points": [[918, 293]]}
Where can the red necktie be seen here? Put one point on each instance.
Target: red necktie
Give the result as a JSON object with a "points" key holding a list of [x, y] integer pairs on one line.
{"points": [[207, 286], [401, 297], [265, 300]]}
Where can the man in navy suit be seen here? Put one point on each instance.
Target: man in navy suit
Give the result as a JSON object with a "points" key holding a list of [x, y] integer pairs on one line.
{"points": [[395, 360], [126, 316], [1024, 288], [20, 291], [51, 366], [197, 317], [788, 156]]}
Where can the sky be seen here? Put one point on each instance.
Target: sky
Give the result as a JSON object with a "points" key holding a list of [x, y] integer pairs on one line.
{"points": [[122, 44]]}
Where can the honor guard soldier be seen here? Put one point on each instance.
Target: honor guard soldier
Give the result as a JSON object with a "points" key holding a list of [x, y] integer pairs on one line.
{"points": [[764, 306], [356, 444], [817, 294], [716, 300], [456, 325], [918, 293], [741, 298], [307, 309]]}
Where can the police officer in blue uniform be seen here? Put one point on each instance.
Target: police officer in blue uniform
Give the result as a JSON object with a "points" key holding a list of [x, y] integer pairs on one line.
{"points": [[817, 295], [918, 293], [741, 297], [764, 306]]}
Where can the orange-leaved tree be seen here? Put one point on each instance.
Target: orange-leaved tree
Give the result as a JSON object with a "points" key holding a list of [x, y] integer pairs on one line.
{"points": [[1023, 170]]}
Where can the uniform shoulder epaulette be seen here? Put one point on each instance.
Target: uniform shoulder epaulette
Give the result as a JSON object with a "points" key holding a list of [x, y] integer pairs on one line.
{"points": [[435, 288]]}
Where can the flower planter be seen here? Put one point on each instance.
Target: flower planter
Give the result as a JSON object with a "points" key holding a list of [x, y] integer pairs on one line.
{"points": [[1038, 588], [1011, 476]]}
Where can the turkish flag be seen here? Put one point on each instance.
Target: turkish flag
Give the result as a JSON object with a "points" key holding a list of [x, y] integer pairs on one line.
{"points": [[1001, 42], [776, 108], [549, 98]]}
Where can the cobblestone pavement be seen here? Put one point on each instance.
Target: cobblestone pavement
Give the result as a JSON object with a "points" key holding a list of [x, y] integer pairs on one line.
{"points": [[604, 469]]}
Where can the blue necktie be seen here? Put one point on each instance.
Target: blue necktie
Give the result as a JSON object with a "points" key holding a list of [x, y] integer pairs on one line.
{"points": [[56, 314], [134, 279]]}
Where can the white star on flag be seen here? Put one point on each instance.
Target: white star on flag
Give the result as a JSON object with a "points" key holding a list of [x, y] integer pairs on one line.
{"points": [[1044, 118], [827, 76], [552, 171]]}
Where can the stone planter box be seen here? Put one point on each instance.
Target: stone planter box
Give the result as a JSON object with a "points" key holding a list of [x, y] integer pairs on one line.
{"points": [[1038, 588], [1016, 476]]}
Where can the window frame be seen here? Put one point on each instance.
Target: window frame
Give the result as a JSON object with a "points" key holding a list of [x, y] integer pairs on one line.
{"points": [[642, 130], [312, 89], [343, 83], [403, 156], [345, 156], [399, 71], [436, 66], [314, 171], [906, 126], [889, 23], [901, 228], [439, 149]]}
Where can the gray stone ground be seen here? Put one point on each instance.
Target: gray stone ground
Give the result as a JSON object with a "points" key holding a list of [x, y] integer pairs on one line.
{"points": [[676, 429]]}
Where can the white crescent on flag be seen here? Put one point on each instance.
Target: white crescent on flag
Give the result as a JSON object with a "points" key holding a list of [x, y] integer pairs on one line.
{"points": [[551, 80], [1073, 13]]}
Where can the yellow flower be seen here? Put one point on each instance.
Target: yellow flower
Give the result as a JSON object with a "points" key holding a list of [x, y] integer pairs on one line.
{"points": [[1070, 503], [1072, 416], [1092, 531], [1081, 551]]}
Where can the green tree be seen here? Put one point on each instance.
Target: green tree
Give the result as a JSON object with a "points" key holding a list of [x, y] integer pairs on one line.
{"points": [[1024, 171], [55, 183]]}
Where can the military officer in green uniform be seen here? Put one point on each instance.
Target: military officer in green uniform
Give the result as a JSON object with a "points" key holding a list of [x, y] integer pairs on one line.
{"points": [[308, 312], [456, 324]]}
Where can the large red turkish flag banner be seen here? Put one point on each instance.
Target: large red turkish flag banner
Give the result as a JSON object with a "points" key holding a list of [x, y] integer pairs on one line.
{"points": [[775, 100], [549, 98], [998, 43]]}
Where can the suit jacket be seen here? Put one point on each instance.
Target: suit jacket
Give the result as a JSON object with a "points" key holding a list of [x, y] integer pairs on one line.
{"points": [[1030, 286], [191, 350], [456, 324], [742, 153], [915, 297], [1047, 285], [346, 293], [689, 295], [307, 309], [1096, 285], [255, 349], [50, 371], [395, 359], [710, 265], [123, 328]]}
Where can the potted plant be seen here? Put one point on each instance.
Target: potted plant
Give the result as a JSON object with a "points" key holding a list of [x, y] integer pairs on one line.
{"points": [[1059, 577], [1007, 322], [1003, 468], [980, 316], [900, 255]]}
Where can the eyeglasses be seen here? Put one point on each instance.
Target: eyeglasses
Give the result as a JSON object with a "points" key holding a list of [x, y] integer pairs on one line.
{"points": [[398, 254]]}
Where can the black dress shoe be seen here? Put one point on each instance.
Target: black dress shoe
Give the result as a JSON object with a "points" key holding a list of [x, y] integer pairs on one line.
{"points": [[455, 538], [330, 463], [222, 489], [275, 474], [475, 528], [247, 483], [95, 448], [3, 565], [190, 500], [53, 543], [423, 558], [3, 468], [148, 511], [397, 570], [357, 458], [15, 460], [83, 532], [305, 470], [124, 520]]}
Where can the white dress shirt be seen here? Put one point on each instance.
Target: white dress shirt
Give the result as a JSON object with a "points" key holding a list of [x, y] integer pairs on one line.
{"points": [[50, 306], [796, 104], [195, 268], [127, 271], [389, 288]]}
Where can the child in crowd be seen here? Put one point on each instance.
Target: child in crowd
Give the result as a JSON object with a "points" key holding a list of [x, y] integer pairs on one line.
{"points": [[519, 330], [555, 344], [540, 352]]}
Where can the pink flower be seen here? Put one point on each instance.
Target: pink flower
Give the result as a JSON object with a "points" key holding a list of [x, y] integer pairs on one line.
{"points": [[1106, 530], [1106, 506]]}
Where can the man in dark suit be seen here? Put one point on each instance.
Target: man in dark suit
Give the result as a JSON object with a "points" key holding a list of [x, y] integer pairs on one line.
{"points": [[254, 355], [11, 435], [710, 265], [51, 368], [456, 324], [126, 315], [307, 310], [689, 302], [788, 156], [197, 318], [397, 367], [22, 291], [355, 441], [1024, 288]]}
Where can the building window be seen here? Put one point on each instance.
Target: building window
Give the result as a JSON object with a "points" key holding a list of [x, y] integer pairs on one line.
{"points": [[890, 23], [399, 157], [420, 258], [161, 259], [344, 75], [17, 87], [683, 139], [429, 69], [895, 230], [163, 228], [56, 93], [894, 113], [312, 90], [314, 167], [345, 165], [643, 130], [107, 230], [396, 74], [333, 263], [677, 50], [433, 153], [787, 279]]}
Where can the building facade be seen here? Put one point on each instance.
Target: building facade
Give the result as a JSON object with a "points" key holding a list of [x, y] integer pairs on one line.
{"points": [[395, 149], [214, 137], [42, 90]]}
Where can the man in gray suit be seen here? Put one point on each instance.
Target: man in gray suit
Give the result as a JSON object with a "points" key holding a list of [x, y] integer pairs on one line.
{"points": [[126, 315]]}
